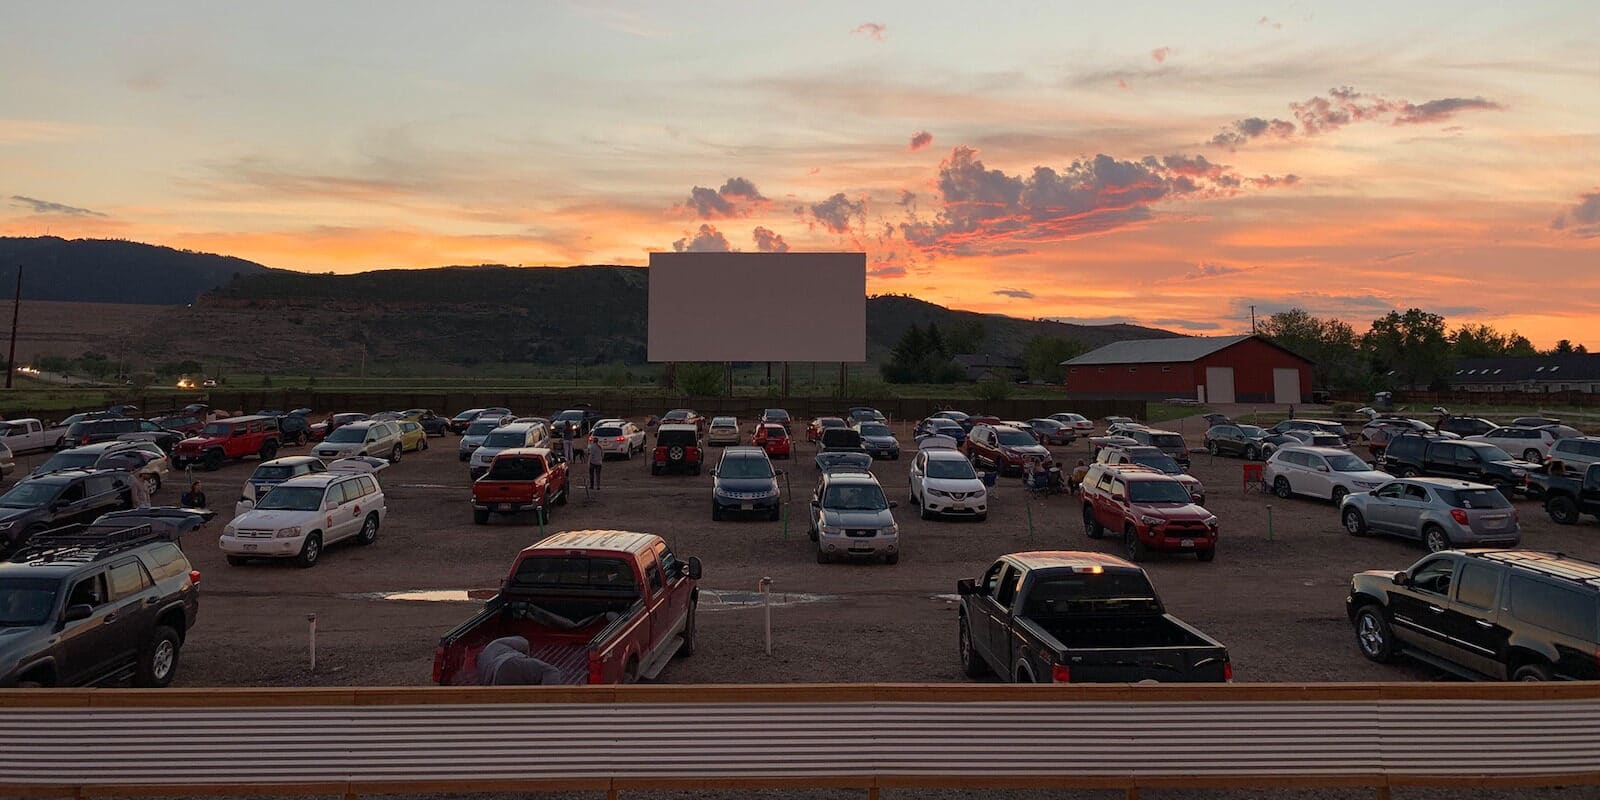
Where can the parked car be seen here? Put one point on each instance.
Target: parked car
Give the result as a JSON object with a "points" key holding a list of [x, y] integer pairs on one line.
{"points": [[1004, 448], [1229, 439], [878, 439], [1566, 496], [1374, 431], [96, 456], [959, 417], [1329, 473], [684, 416], [618, 437], [744, 482], [187, 424], [1298, 438], [849, 517], [1326, 426], [112, 428], [505, 437], [35, 505], [724, 431], [820, 424], [229, 439], [1214, 419], [1439, 512], [301, 516], [28, 434], [1154, 458], [943, 483], [412, 437], [1050, 432], [1516, 615], [1114, 420], [366, 438], [677, 450], [1081, 425], [1534, 422], [167, 522], [838, 446], [1533, 444], [473, 435], [602, 607], [1098, 444], [89, 609], [774, 440], [1072, 617], [271, 473], [323, 429], [1465, 426], [1410, 456], [459, 422], [581, 420], [1170, 442], [8, 461], [434, 424], [856, 415], [939, 426], [1576, 454], [521, 479], [1153, 512], [777, 416]]}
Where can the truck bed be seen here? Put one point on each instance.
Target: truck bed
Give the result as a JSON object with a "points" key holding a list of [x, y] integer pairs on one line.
{"points": [[567, 650], [1120, 631], [1133, 648]]}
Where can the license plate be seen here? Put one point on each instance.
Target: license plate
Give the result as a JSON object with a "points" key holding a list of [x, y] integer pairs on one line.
{"points": [[249, 547], [747, 506], [1187, 543], [505, 506]]}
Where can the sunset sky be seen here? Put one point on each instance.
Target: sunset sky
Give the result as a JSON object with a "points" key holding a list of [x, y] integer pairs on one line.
{"points": [[1169, 164]]}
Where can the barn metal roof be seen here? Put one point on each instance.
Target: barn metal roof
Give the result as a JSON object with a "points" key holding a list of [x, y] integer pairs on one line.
{"points": [[1156, 351]]}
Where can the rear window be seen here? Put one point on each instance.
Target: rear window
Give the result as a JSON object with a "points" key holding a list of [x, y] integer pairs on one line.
{"points": [[506, 439], [1013, 438], [875, 430], [1167, 441], [607, 432], [1554, 608], [676, 439], [1081, 591], [482, 428], [273, 473], [1474, 498], [516, 469], [569, 571], [776, 432]]}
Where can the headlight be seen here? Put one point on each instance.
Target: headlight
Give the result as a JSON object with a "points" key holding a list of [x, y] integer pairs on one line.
{"points": [[1198, 488], [7, 525], [832, 530], [288, 533], [1211, 521], [1154, 522], [229, 530], [936, 492], [893, 530]]}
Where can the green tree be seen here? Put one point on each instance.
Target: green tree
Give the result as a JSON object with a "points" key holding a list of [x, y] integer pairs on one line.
{"points": [[1409, 349], [935, 341], [992, 390], [701, 379], [1337, 359], [965, 336], [1042, 357], [95, 365], [919, 358]]}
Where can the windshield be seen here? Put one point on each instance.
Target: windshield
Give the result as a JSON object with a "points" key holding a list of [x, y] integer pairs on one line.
{"points": [[515, 469], [951, 469], [292, 498], [29, 494], [26, 601], [349, 434], [1045, 424], [1474, 498], [69, 460], [575, 570], [1167, 441], [676, 413], [876, 430], [508, 439], [576, 416], [1078, 592], [676, 439], [217, 429], [1161, 462], [1492, 453], [1344, 462], [482, 428], [742, 468], [273, 473], [1162, 491], [468, 414], [1253, 432], [866, 497], [1014, 438]]}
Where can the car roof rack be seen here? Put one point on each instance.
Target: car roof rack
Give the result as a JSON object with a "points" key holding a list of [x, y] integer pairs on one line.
{"points": [[81, 544], [1554, 565]]}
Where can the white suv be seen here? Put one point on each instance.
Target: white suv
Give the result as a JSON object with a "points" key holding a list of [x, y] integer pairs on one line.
{"points": [[505, 437], [378, 439], [300, 516], [1326, 472], [1576, 453], [1528, 444], [943, 482]]}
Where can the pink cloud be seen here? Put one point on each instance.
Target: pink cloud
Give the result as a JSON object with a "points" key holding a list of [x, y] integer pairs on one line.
{"points": [[876, 30], [1122, 84], [768, 241], [1270, 23], [1160, 54], [920, 140], [706, 240], [1344, 106], [737, 198]]}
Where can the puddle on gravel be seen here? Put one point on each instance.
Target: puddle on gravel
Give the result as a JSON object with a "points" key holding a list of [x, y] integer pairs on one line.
{"points": [[712, 600], [428, 595], [948, 598]]}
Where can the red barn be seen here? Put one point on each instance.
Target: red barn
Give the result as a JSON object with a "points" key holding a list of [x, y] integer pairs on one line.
{"points": [[1211, 369]]}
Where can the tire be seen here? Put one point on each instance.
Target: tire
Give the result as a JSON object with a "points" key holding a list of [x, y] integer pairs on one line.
{"points": [[1435, 539], [237, 561], [1374, 638], [1206, 555], [1563, 510], [1134, 546], [310, 552], [716, 513], [268, 450], [158, 659], [1408, 472], [630, 670], [213, 460], [922, 509], [777, 514], [1281, 488], [394, 455], [301, 439], [892, 558], [687, 648], [982, 517], [561, 497], [422, 444], [1532, 672], [1354, 523], [152, 484], [1339, 494], [462, 457], [480, 517], [369, 530], [1211, 447], [1532, 455], [971, 662], [822, 556], [1091, 526], [1252, 453]]}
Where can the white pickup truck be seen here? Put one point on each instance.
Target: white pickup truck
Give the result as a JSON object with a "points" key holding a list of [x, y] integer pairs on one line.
{"points": [[26, 435]]}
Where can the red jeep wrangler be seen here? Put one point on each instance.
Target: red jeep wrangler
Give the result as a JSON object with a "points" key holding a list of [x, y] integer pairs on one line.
{"points": [[677, 450], [228, 439], [520, 479], [1151, 509]]}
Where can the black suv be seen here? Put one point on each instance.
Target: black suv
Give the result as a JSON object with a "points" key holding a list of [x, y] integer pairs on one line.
{"points": [[82, 608], [1498, 614], [1321, 425], [59, 498], [1410, 455], [93, 431], [1465, 426]]}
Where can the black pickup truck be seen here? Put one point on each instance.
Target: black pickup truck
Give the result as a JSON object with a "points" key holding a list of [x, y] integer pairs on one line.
{"points": [[1567, 496], [1074, 617]]}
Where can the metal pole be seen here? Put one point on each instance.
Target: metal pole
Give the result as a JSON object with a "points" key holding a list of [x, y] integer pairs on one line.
{"points": [[1269, 522], [16, 312], [1029, 505], [312, 644], [764, 586]]}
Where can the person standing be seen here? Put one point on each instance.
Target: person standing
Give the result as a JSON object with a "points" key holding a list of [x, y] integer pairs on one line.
{"points": [[566, 442], [597, 456]]}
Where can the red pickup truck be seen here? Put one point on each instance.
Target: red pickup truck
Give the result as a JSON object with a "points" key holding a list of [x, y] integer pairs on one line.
{"points": [[229, 439], [1150, 509], [603, 607], [520, 479]]}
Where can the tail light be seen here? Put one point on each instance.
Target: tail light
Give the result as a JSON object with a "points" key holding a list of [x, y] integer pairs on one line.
{"points": [[194, 577], [622, 438], [1061, 673], [1459, 516], [438, 664], [1227, 671], [84, 440], [596, 675]]}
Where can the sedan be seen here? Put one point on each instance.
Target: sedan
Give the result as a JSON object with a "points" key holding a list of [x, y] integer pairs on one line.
{"points": [[724, 431], [879, 440], [1049, 431], [939, 426], [1080, 424], [774, 439]]}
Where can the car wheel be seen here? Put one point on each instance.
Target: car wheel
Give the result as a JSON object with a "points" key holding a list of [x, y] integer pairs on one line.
{"points": [[301, 439], [716, 512], [1435, 539], [237, 561], [158, 661], [687, 648], [1339, 494], [152, 484], [822, 556], [1131, 543], [1408, 472], [268, 450], [480, 517], [1091, 526], [1206, 555], [369, 530], [892, 558], [971, 662], [922, 508], [310, 551], [1373, 636], [213, 461], [1280, 487], [1211, 447], [1531, 672], [1354, 523], [561, 497], [1252, 453], [422, 444], [1562, 509], [394, 455]]}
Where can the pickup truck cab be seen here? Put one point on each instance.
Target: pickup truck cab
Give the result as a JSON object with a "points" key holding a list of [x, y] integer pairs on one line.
{"points": [[1567, 498], [28, 435], [1411, 455], [1152, 511], [603, 607], [229, 439], [520, 479], [1074, 617]]}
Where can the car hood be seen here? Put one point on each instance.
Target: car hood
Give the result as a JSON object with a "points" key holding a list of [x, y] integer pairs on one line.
{"points": [[342, 447], [1026, 450], [1517, 463], [879, 441], [1175, 511], [1369, 476], [472, 441], [746, 484], [857, 519], [970, 485], [196, 442], [274, 519], [9, 514]]}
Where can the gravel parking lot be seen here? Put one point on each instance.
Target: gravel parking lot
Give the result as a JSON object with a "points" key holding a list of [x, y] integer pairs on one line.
{"points": [[1275, 599]]}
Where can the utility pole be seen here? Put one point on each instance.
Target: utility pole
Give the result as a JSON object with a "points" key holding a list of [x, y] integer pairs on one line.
{"points": [[1252, 320], [16, 311]]}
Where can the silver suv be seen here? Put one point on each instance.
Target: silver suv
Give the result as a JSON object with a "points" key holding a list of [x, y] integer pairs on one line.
{"points": [[1442, 513], [1576, 453], [850, 517], [474, 434], [366, 438], [505, 437]]}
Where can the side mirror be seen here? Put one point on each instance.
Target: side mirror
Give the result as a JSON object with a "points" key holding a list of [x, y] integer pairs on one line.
{"points": [[694, 568], [1322, 468], [966, 586], [1402, 579], [1121, 498], [58, 505], [1374, 492], [77, 612], [776, 473], [714, 473]]}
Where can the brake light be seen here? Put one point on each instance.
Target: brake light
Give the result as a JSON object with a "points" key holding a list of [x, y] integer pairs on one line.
{"points": [[194, 577], [1459, 516], [1227, 671], [84, 440], [438, 664], [1061, 673], [622, 438]]}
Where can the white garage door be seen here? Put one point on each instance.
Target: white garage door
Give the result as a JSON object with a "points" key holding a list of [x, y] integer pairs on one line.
{"points": [[1219, 384], [1286, 386]]}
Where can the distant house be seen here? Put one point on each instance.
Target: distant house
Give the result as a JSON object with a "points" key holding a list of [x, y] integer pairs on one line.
{"points": [[1210, 369], [983, 366], [1570, 373]]}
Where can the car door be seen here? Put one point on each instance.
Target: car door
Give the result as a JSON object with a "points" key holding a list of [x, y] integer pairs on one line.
{"points": [[1472, 618], [1232, 441], [135, 605], [1407, 510], [1381, 512], [915, 474], [657, 606], [1418, 609], [991, 615], [88, 647], [1318, 477], [71, 505], [353, 509]]}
